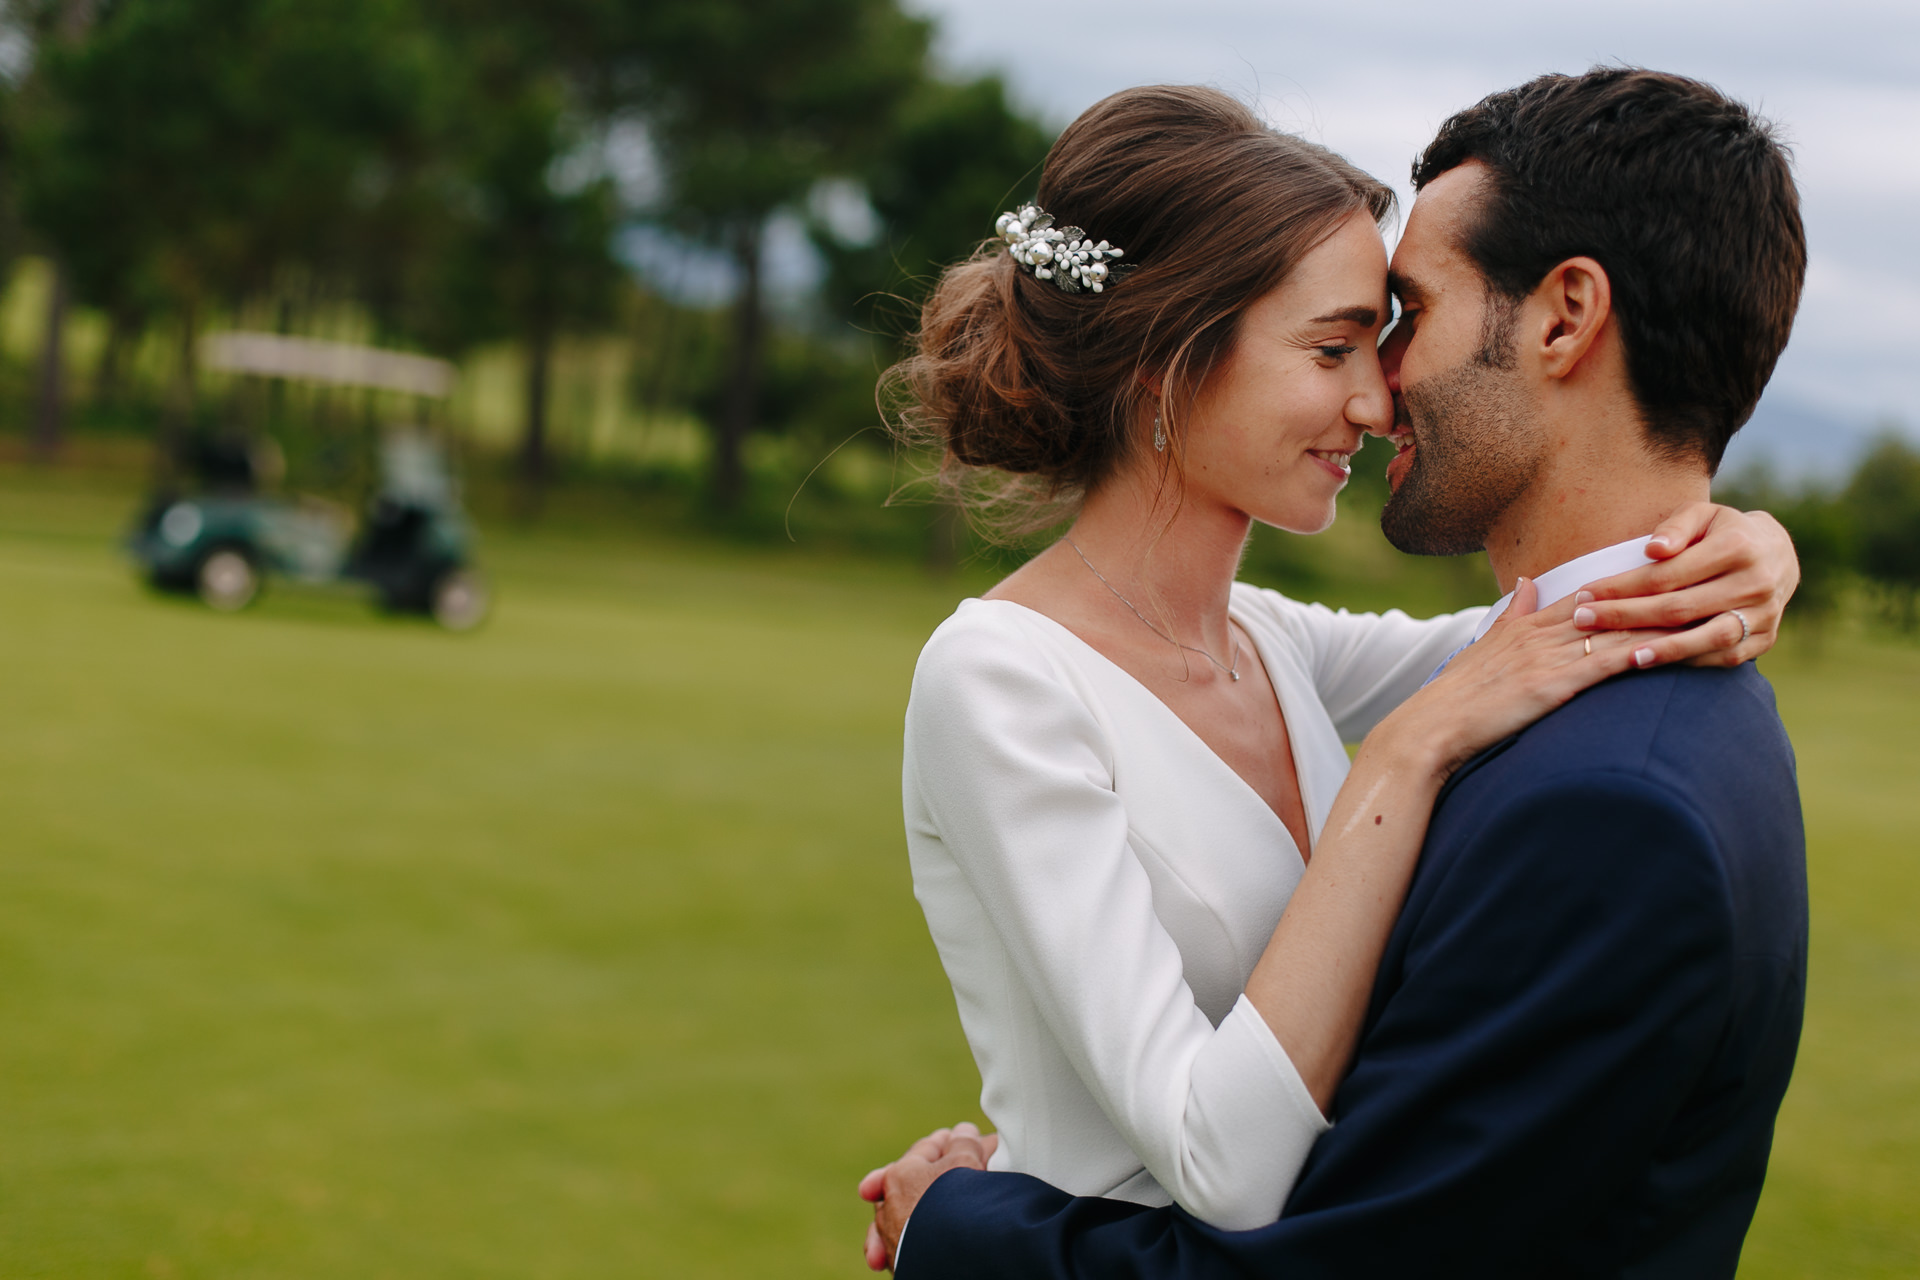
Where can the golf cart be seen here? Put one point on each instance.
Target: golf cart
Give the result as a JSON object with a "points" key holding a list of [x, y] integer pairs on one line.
{"points": [[216, 534]]}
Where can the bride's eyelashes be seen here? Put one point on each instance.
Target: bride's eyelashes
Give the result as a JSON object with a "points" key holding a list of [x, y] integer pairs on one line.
{"points": [[1335, 353]]}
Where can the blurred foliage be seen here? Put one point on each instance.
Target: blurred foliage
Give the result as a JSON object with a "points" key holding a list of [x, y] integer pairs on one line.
{"points": [[754, 102], [1867, 531], [531, 256], [457, 177], [1883, 506], [957, 149], [187, 153], [442, 175], [753, 105]]}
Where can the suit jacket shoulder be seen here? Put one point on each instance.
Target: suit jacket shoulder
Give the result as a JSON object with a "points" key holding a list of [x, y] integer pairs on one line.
{"points": [[1711, 741], [1611, 913]]}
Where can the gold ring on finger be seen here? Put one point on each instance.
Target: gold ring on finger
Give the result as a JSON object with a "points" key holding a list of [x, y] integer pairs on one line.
{"points": [[1587, 646]]}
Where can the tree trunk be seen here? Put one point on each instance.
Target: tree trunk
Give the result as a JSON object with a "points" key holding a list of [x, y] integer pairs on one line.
{"points": [[122, 328], [535, 461], [743, 385], [666, 340], [176, 421], [50, 414]]}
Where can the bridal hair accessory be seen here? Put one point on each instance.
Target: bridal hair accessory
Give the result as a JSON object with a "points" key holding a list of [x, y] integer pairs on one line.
{"points": [[1065, 255]]}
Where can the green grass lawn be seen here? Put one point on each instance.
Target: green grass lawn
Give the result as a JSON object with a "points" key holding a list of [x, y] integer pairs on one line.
{"points": [[583, 946]]}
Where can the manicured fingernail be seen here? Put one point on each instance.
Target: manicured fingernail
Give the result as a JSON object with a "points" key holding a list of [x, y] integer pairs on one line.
{"points": [[1583, 617], [1659, 541], [1643, 657], [1583, 596]]}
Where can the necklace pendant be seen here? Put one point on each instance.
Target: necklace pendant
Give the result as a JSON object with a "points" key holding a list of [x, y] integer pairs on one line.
{"points": [[1235, 675]]}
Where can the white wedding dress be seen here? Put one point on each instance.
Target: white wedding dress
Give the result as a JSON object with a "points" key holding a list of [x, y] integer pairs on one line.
{"points": [[1100, 884]]}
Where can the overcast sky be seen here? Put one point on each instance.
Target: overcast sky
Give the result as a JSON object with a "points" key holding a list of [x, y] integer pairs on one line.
{"points": [[1374, 80]]}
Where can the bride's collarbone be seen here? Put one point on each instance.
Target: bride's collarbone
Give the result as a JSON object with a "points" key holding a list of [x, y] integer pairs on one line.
{"points": [[1240, 722], [1211, 702]]}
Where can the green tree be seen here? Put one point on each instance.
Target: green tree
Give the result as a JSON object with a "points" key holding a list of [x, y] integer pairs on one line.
{"points": [[751, 104], [195, 154], [528, 254], [1822, 530], [32, 23], [190, 152], [1884, 506], [956, 155], [1821, 525]]}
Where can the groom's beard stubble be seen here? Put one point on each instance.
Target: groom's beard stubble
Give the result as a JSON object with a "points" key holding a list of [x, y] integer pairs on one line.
{"points": [[1472, 460]]}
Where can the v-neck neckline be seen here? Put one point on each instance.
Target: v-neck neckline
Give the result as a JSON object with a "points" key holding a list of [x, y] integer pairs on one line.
{"points": [[1287, 717]]}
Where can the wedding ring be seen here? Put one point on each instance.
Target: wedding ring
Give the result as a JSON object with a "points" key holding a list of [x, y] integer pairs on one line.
{"points": [[1587, 645], [1744, 630]]}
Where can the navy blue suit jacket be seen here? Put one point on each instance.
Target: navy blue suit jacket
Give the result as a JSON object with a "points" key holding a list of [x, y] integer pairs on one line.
{"points": [[1580, 1036]]}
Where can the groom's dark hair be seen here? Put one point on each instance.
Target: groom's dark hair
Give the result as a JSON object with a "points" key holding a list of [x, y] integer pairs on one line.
{"points": [[1683, 195]]}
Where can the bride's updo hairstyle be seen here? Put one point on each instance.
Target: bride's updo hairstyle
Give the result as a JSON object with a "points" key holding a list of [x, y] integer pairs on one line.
{"points": [[1034, 395]]}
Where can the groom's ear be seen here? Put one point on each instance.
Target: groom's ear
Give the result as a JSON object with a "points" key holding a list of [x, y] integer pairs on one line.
{"points": [[1570, 310]]}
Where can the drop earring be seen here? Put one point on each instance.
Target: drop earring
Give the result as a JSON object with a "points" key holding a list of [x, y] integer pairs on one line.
{"points": [[1159, 435]]}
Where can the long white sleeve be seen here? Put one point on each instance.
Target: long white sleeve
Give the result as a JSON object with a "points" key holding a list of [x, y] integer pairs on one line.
{"points": [[1011, 776], [1363, 664]]}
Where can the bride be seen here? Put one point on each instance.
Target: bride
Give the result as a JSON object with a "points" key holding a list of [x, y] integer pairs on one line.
{"points": [[1158, 887]]}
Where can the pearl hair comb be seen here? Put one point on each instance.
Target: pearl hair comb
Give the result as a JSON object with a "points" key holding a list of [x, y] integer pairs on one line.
{"points": [[1065, 255]]}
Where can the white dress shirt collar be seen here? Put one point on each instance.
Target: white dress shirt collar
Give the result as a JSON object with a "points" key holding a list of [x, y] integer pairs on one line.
{"points": [[1563, 580]]}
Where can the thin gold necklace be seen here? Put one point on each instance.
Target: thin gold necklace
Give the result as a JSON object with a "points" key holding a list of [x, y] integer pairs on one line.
{"points": [[1233, 670]]}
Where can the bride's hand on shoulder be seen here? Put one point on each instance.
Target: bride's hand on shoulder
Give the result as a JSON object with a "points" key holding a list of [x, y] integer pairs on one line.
{"points": [[1715, 567], [1529, 662]]}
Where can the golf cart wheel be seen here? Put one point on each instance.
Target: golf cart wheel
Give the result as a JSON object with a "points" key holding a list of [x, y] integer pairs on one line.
{"points": [[227, 580], [179, 582], [460, 600]]}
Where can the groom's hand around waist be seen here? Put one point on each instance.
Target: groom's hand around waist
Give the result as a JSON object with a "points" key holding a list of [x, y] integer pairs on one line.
{"points": [[896, 1188]]}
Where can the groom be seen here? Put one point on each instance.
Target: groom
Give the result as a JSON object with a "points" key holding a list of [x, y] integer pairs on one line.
{"points": [[1588, 1011]]}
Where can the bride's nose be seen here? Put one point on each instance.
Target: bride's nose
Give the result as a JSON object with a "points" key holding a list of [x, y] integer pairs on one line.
{"points": [[1371, 405]]}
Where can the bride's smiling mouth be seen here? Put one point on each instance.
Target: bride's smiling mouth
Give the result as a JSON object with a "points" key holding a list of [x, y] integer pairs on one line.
{"points": [[1338, 461]]}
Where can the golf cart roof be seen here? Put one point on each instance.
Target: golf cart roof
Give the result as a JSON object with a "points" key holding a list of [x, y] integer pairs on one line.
{"points": [[349, 364]]}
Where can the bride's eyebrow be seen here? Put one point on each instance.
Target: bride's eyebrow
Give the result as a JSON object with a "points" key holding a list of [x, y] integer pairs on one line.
{"points": [[1363, 316]]}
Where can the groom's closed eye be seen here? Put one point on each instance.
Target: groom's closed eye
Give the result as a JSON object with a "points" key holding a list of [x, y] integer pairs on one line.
{"points": [[1407, 295], [1395, 314]]}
